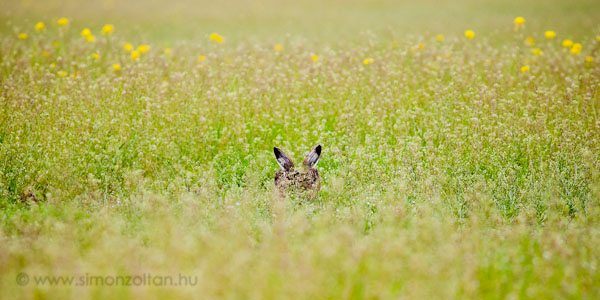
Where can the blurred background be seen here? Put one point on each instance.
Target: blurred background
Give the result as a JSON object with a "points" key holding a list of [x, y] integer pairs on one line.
{"points": [[176, 20]]}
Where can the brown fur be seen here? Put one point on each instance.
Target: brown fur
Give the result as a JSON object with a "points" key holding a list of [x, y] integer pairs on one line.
{"points": [[306, 182]]}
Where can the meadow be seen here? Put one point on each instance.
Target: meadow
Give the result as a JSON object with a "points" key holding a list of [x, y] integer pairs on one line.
{"points": [[461, 149]]}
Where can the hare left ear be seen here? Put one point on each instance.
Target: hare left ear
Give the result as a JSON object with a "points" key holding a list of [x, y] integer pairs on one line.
{"points": [[312, 158], [283, 160]]}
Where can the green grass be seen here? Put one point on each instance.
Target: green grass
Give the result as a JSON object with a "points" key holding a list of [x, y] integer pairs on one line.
{"points": [[447, 172]]}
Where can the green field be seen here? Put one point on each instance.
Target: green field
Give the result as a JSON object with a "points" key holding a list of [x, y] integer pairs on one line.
{"points": [[452, 167]]}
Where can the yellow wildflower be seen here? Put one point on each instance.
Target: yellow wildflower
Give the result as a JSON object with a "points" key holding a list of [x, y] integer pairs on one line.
{"points": [[143, 48], [39, 26], [135, 55], [598, 38], [128, 47], [367, 61], [439, 37], [536, 51], [62, 74], [96, 56], [314, 58], [421, 46], [567, 43], [116, 67], [23, 36], [530, 41], [90, 38], [550, 34], [167, 50], [278, 47], [217, 38], [107, 29], [86, 32], [201, 58], [519, 20], [589, 59], [470, 34], [45, 53], [63, 21], [576, 48], [524, 69]]}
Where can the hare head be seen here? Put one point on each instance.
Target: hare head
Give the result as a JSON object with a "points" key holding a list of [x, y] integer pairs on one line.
{"points": [[306, 181]]}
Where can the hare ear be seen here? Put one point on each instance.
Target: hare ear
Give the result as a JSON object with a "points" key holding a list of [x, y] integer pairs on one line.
{"points": [[312, 158], [282, 159]]}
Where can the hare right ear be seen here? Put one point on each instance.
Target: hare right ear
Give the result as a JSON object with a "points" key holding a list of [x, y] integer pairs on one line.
{"points": [[312, 158], [283, 160]]}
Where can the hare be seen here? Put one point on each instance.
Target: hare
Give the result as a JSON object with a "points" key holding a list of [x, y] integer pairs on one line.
{"points": [[307, 181]]}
